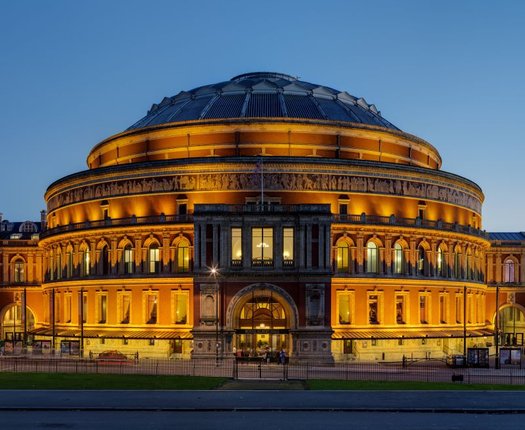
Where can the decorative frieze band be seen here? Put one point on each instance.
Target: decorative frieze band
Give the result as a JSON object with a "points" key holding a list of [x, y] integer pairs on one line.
{"points": [[272, 181]]}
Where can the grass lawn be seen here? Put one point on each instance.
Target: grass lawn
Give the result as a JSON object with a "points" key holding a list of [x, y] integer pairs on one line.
{"points": [[76, 381], [390, 385]]}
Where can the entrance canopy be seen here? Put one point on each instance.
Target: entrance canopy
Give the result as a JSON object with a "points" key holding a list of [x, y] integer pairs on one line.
{"points": [[409, 334]]}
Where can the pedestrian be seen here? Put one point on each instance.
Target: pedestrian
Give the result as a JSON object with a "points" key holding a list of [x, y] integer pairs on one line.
{"points": [[282, 356]]}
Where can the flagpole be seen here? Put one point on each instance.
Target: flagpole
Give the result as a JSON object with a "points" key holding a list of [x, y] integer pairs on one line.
{"points": [[262, 182]]}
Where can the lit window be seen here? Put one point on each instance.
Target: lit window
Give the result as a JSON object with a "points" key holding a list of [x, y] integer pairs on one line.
{"points": [[400, 309], [440, 263], [183, 256], [399, 259], [127, 257], [509, 270], [151, 309], [343, 256], [262, 246], [102, 308], [125, 307], [345, 314], [372, 258], [236, 236], [85, 262], [373, 309], [288, 245], [180, 308], [153, 259], [19, 269]]}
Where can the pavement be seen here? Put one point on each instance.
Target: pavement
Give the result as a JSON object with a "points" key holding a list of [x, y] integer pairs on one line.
{"points": [[273, 400]]}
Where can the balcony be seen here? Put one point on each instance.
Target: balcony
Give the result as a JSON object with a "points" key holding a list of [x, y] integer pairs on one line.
{"points": [[118, 222], [409, 222]]}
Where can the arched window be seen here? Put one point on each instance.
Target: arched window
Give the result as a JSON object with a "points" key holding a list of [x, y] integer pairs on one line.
{"points": [[127, 260], [457, 264], [372, 258], [19, 271], [343, 256], [399, 259], [441, 263], [103, 262], [69, 263], [509, 270], [58, 261], [183, 255], [153, 260], [422, 262], [85, 262]]}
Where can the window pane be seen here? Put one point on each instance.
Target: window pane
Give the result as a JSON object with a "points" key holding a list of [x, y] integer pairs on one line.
{"points": [[128, 260], [288, 244], [344, 309], [373, 310], [181, 308], [236, 236], [183, 256], [262, 246], [398, 259], [400, 309]]}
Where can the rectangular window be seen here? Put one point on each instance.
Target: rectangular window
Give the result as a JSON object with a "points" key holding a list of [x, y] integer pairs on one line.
{"points": [[236, 238], [84, 307], [423, 309], [345, 311], [400, 309], [262, 246], [57, 308], [288, 246], [458, 309], [343, 209], [67, 308], [373, 309], [443, 309], [102, 308], [151, 309], [180, 307], [470, 309], [125, 308]]}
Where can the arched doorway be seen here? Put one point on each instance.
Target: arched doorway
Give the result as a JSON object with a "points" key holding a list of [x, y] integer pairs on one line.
{"points": [[511, 321], [13, 322], [261, 317]]}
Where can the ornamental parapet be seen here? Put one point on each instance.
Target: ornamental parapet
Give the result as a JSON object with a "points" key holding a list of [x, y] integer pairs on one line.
{"points": [[118, 222], [409, 222]]}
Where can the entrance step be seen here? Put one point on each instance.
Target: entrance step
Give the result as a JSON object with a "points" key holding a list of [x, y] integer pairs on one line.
{"points": [[262, 384]]}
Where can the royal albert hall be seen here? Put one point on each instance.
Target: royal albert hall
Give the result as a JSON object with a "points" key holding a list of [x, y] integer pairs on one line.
{"points": [[259, 214]]}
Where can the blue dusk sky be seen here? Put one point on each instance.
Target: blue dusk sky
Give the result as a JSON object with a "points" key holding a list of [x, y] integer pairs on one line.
{"points": [[451, 72]]}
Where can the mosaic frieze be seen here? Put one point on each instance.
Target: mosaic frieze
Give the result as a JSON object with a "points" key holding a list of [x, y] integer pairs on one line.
{"points": [[272, 181]]}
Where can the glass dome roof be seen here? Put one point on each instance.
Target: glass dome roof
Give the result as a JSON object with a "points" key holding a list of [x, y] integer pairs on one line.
{"points": [[263, 95]]}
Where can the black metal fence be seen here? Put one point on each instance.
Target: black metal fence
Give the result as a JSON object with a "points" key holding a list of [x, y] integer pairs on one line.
{"points": [[422, 371]]}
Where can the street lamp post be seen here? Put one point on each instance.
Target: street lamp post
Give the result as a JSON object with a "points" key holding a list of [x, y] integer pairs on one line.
{"points": [[215, 272]]}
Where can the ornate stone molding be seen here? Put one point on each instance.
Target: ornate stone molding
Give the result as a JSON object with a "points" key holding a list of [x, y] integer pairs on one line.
{"points": [[274, 181]]}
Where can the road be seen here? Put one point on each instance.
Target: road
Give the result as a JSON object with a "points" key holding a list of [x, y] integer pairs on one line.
{"points": [[27, 409]]}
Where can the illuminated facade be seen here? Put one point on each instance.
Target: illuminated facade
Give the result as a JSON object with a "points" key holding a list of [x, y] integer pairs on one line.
{"points": [[258, 214]]}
